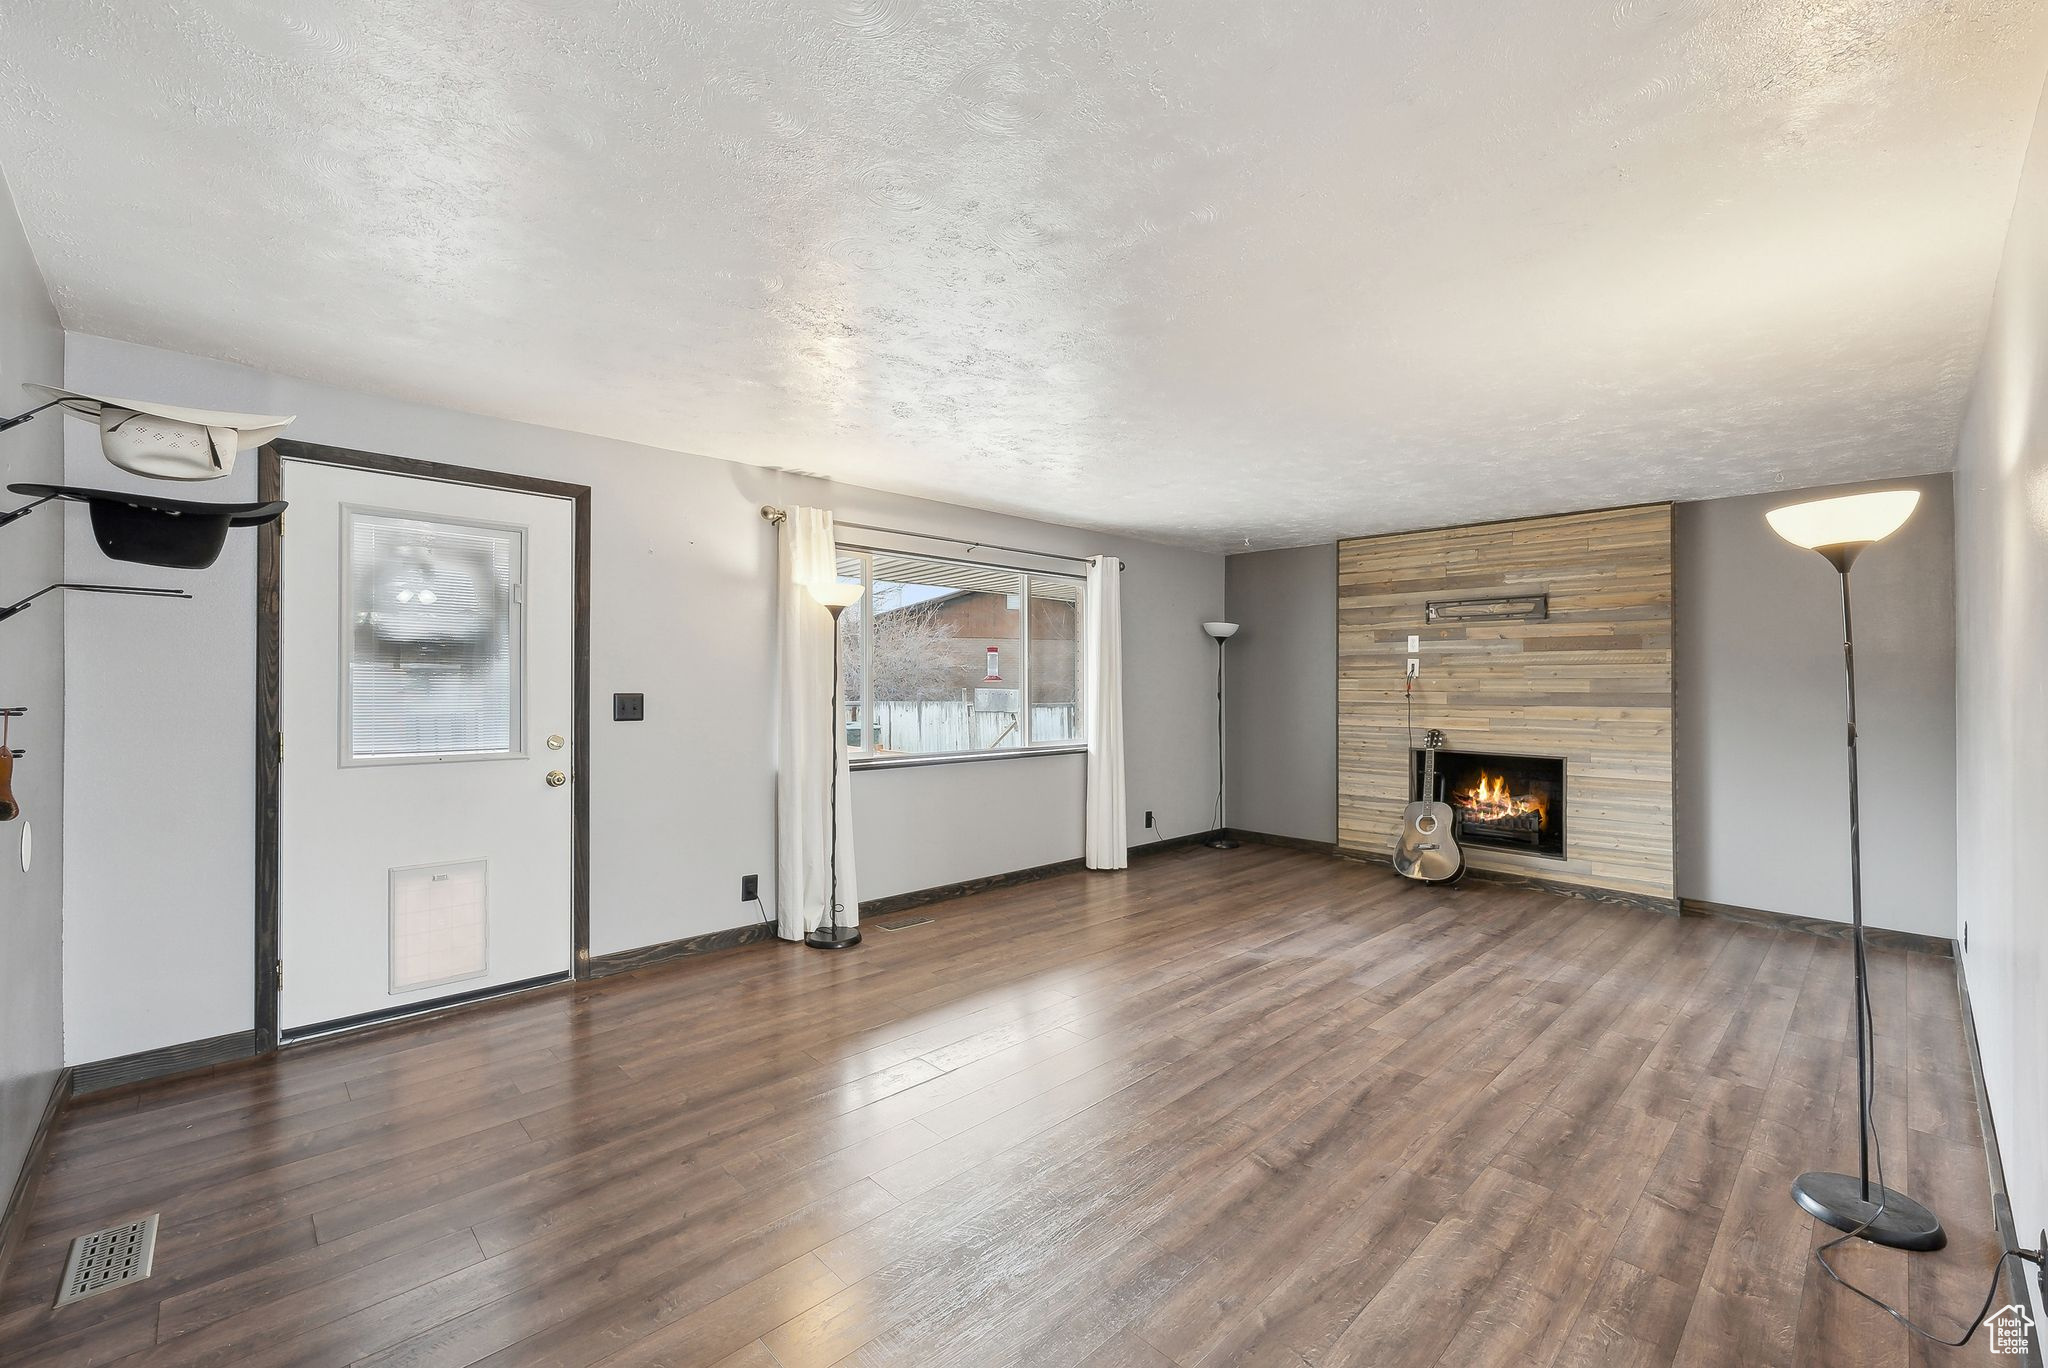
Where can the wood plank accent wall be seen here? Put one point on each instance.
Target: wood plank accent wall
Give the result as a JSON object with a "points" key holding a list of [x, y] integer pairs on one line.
{"points": [[1593, 683]]}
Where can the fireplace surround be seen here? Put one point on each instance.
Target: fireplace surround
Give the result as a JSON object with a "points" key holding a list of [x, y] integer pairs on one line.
{"points": [[1590, 682], [1504, 802]]}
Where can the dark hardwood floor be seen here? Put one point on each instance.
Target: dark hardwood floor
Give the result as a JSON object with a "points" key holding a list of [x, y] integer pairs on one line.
{"points": [[1245, 1107]]}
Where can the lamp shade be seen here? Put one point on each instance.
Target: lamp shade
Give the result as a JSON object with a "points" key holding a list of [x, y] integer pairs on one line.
{"points": [[1851, 521], [1220, 630], [837, 594]]}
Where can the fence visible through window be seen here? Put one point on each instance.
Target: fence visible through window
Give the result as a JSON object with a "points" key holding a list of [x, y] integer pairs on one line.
{"points": [[927, 728], [948, 657]]}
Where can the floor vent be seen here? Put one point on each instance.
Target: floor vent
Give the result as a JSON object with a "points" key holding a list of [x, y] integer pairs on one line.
{"points": [[109, 1258], [903, 923]]}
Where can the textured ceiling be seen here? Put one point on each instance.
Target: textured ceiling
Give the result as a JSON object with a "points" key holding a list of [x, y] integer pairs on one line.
{"points": [[1200, 270]]}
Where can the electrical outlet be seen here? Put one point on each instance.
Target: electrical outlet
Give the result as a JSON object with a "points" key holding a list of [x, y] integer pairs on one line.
{"points": [[1966, 935], [750, 887], [1414, 643], [1414, 668], [629, 707], [1148, 819]]}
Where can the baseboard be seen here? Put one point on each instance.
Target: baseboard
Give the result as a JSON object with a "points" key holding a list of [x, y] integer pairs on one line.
{"points": [[14, 1219], [1286, 842], [1166, 843], [925, 897], [626, 961], [2017, 1271], [146, 1065], [1875, 936]]}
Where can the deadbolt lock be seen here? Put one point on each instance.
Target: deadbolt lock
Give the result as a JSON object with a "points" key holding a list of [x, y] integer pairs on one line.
{"points": [[556, 778], [556, 743]]}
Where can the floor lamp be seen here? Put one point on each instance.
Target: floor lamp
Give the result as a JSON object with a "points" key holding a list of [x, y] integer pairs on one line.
{"points": [[1222, 632], [837, 596], [1841, 529]]}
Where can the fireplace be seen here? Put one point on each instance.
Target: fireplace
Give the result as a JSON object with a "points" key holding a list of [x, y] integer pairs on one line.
{"points": [[1503, 802]]}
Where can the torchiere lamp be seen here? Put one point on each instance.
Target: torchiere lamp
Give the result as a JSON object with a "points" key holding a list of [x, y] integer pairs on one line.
{"points": [[1222, 632], [837, 596], [1842, 529]]}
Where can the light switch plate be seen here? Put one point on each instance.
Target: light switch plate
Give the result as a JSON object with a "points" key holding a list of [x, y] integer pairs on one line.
{"points": [[1414, 643]]}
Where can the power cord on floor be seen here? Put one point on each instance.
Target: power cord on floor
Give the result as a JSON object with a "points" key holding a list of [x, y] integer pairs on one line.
{"points": [[1820, 1255], [1976, 1324], [766, 920]]}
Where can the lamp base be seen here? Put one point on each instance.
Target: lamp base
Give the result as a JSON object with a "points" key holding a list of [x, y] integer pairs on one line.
{"points": [[830, 937], [1837, 1198]]}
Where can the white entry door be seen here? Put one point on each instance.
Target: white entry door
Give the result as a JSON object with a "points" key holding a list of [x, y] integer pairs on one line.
{"points": [[427, 699]]}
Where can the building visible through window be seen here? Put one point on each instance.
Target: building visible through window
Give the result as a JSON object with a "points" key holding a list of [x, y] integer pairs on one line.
{"points": [[941, 658]]}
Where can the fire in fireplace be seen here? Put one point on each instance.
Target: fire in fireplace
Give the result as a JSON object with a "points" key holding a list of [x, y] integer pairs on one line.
{"points": [[1507, 802]]}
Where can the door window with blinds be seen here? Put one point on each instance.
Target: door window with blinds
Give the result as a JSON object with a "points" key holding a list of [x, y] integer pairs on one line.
{"points": [[945, 657], [433, 639]]}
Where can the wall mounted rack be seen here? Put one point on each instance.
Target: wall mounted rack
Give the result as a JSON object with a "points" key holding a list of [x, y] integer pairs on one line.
{"points": [[13, 608]]}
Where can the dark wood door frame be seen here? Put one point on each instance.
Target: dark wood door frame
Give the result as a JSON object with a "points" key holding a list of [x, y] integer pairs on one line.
{"points": [[269, 667]]}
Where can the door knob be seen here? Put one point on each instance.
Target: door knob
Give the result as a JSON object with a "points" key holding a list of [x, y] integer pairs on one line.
{"points": [[556, 778]]}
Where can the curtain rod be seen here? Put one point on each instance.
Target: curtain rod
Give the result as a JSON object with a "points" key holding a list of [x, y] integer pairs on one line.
{"points": [[776, 515]]}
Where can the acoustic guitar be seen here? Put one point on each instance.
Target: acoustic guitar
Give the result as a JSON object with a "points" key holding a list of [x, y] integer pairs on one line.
{"points": [[1427, 848]]}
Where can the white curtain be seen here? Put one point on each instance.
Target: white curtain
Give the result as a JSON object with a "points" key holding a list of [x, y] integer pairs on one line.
{"points": [[1102, 693], [810, 736]]}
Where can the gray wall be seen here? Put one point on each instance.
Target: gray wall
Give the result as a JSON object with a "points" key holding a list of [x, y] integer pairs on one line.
{"points": [[1283, 691], [31, 676], [158, 915], [2002, 695], [1762, 771]]}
